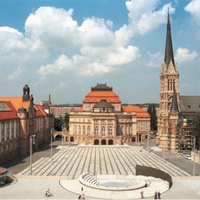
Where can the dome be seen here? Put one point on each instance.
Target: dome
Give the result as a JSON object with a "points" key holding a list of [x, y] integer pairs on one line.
{"points": [[100, 92], [103, 104]]}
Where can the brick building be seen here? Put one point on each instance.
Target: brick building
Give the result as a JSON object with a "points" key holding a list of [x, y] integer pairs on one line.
{"points": [[20, 120]]}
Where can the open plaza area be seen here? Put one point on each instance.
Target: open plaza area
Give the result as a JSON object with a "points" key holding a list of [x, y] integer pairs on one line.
{"points": [[111, 167]]}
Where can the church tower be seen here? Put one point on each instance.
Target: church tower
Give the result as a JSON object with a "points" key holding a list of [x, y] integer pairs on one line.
{"points": [[169, 87]]}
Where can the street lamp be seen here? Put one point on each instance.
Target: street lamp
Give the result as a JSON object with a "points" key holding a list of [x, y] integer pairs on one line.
{"points": [[148, 138], [63, 126], [52, 131], [31, 151]]}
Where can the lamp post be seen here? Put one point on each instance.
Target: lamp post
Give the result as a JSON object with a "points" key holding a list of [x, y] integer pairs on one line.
{"points": [[31, 151], [52, 131], [163, 152], [148, 138], [62, 135]]}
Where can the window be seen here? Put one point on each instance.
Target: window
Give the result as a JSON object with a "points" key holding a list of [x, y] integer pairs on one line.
{"points": [[7, 131], [96, 130], [110, 130], [12, 129], [83, 129], [79, 129], [88, 130], [75, 129], [103, 133], [122, 130], [2, 131]]}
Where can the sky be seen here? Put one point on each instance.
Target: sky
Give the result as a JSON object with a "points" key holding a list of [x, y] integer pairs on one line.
{"points": [[63, 48]]}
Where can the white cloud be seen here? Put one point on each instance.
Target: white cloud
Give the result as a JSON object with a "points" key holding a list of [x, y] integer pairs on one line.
{"points": [[54, 27], [52, 36], [155, 60], [99, 47], [61, 64], [194, 9], [184, 55], [144, 17], [122, 56]]}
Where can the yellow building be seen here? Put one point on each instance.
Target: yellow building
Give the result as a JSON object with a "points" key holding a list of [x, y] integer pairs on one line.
{"points": [[103, 120]]}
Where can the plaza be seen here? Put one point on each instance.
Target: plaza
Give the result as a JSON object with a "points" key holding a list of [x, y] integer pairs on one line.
{"points": [[115, 164]]}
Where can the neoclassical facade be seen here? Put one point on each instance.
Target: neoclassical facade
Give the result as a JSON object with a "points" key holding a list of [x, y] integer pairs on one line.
{"points": [[103, 120]]}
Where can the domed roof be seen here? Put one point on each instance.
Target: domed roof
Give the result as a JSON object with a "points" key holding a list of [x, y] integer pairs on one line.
{"points": [[99, 92], [103, 104]]}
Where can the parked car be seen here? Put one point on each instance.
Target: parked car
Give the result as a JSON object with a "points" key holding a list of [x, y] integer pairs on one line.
{"points": [[188, 157]]}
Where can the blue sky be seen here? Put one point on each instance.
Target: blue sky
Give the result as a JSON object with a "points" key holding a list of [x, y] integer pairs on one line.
{"points": [[65, 47]]}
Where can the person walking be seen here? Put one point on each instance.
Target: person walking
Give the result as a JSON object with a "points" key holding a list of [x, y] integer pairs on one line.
{"points": [[155, 195]]}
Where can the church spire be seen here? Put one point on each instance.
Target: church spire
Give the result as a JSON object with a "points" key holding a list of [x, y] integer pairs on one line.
{"points": [[174, 106], [169, 55]]}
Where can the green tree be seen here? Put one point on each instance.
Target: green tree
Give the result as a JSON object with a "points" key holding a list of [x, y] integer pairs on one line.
{"points": [[58, 122], [66, 120], [152, 112]]}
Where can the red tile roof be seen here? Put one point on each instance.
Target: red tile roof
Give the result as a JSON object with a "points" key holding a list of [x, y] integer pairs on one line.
{"points": [[10, 114], [141, 113], [97, 96], [17, 103]]}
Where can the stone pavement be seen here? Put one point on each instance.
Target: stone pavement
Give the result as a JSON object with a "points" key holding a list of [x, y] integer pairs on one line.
{"points": [[69, 162], [72, 161]]}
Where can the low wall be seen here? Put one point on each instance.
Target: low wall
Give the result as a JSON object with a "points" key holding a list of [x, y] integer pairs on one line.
{"points": [[149, 171]]}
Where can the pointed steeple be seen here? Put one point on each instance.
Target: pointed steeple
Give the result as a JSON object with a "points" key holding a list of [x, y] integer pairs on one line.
{"points": [[169, 55], [174, 106]]}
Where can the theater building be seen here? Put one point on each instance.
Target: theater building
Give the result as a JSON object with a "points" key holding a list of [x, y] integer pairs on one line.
{"points": [[103, 120]]}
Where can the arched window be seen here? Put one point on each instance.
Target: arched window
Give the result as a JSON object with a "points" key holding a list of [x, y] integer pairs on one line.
{"points": [[110, 142], [103, 142], [96, 142]]}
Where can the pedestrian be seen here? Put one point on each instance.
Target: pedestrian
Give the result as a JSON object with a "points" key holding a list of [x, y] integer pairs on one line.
{"points": [[159, 195], [155, 195], [142, 194], [48, 193]]}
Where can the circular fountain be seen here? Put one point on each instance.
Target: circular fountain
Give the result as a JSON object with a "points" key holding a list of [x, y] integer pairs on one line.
{"points": [[4, 176]]}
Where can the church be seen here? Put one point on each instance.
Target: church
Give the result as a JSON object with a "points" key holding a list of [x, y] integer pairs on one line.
{"points": [[104, 120], [177, 114]]}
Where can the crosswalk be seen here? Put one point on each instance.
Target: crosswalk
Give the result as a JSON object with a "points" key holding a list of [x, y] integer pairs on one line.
{"points": [[72, 161]]}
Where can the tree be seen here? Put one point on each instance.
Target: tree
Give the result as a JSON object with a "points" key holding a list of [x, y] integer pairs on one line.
{"points": [[197, 131], [152, 112], [58, 122], [66, 121]]}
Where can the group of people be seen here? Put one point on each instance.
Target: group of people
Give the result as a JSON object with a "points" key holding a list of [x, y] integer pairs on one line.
{"points": [[48, 193], [157, 195]]}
